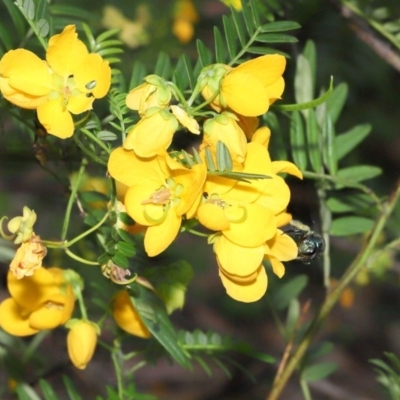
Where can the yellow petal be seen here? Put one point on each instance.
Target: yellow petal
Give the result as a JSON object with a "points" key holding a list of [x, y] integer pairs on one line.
{"points": [[19, 98], [47, 317], [277, 267], [287, 167], [244, 93], [65, 51], [152, 135], [282, 247], [79, 103], [274, 91], [14, 319], [268, 69], [159, 237], [258, 227], [246, 292], [93, 69], [126, 316], [56, 120], [262, 136], [32, 291], [26, 72], [212, 217], [238, 260]]}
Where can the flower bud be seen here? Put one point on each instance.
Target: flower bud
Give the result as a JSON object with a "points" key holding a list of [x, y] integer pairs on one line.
{"points": [[126, 316], [22, 226], [81, 342]]}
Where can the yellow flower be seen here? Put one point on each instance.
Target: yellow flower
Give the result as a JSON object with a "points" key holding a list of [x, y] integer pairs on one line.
{"points": [[81, 342], [42, 301], [153, 93], [28, 257], [161, 191], [22, 226], [224, 128], [66, 84], [249, 88], [185, 15], [126, 316], [152, 134], [185, 119]]}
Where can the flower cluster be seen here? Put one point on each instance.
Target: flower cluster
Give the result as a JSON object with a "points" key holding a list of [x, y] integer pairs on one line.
{"points": [[67, 83], [167, 188]]}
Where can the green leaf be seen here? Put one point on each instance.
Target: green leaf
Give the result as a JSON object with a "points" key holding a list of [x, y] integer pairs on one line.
{"points": [[313, 141], [328, 147], [205, 56], [337, 101], [183, 74], [346, 202], [310, 53], [248, 19], [6, 38], [346, 226], [203, 364], [154, 316], [359, 173], [163, 65], [346, 142], [107, 136], [320, 350], [310, 104], [220, 51], [279, 26], [138, 73], [78, 13], [265, 50], [43, 27], [292, 317], [240, 29], [297, 141], [230, 36], [121, 260], [71, 390], [126, 249], [26, 392], [318, 371], [289, 290], [47, 390], [16, 17], [275, 38], [303, 81], [224, 159]]}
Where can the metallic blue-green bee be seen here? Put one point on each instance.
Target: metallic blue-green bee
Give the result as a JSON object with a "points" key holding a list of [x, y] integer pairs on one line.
{"points": [[309, 243]]}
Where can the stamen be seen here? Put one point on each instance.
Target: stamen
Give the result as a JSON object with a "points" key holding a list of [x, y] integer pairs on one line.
{"points": [[161, 196]]}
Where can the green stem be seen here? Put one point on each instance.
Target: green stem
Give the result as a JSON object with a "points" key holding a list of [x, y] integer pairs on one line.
{"points": [[96, 140], [80, 259], [89, 231], [376, 25], [88, 152], [305, 389], [115, 356], [72, 199], [82, 308], [31, 23], [201, 234], [352, 271]]}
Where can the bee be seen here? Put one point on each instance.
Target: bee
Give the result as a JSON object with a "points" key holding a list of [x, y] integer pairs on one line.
{"points": [[309, 243]]}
